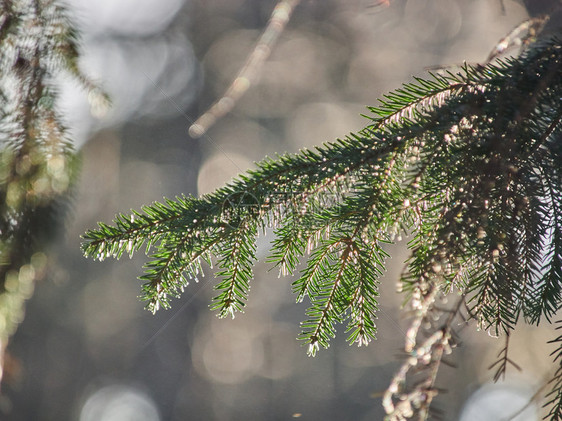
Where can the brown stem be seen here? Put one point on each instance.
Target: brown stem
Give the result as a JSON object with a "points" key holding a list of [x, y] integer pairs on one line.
{"points": [[251, 69]]}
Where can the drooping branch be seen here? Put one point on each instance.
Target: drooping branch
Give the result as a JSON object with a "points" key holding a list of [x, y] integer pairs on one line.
{"points": [[503, 361], [468, 165], [37, 162]]}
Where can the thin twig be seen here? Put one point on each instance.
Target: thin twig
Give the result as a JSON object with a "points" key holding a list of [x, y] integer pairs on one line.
{"points": [[519, 35], [419, 399], [251, 69]]}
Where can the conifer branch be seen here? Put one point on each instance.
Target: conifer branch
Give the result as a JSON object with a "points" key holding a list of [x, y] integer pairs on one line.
{"points": [[413, 99], [236, 260], [468, 164]]}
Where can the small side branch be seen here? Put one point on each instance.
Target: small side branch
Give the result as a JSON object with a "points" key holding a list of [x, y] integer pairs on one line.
{"points": [[503, 361]]}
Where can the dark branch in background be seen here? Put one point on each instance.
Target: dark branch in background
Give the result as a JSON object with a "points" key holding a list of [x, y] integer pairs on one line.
{"points": [[503, 361], [468, 164], [37, 163]]}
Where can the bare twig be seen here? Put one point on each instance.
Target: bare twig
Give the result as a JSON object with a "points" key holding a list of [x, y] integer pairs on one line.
{"points": [[520, 35], [401, 404], [251, 69]]}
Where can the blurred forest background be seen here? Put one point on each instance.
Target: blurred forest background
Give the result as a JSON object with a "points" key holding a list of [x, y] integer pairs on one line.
{"points": [[88, 351]]}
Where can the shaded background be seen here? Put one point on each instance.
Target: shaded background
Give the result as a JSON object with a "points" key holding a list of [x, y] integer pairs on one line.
{"points": [[87, 350]]}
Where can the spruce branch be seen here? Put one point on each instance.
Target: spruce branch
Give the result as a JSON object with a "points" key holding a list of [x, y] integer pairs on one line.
{"points": [[467, 164], [236, 261]]}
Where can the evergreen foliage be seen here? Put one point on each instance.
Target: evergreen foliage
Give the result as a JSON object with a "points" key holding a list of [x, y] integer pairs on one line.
{"points": [[37, 161], [467, 165]]}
